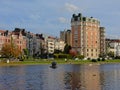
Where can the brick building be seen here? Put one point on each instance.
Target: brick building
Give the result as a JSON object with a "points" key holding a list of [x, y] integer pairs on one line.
{"points": [[85, 35], [66, 36], [16, 37]]}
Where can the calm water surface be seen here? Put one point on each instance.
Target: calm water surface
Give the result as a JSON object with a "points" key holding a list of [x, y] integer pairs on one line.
{"points": [[65, 77]]}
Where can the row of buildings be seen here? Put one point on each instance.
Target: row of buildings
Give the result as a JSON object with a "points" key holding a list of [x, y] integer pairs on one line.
{"points": [[87, 37], [36, 44]]}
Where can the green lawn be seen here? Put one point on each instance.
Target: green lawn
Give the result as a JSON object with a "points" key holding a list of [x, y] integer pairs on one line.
{"points": [[59, 61]]}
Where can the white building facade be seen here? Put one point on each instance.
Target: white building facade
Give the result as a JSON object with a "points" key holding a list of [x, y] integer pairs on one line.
{"points": [[113, 45]]}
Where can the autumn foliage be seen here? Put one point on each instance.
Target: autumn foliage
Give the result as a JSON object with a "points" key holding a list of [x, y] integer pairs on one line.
{"points": [[10, 50], [72, 52]]}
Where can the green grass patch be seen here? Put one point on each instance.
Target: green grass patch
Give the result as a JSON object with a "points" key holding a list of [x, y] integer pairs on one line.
{"points": [[58, 61]]}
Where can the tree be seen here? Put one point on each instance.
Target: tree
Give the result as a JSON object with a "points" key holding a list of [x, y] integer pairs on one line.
{"points": [[111, 54], [67, 48], [10, 50], [16, 52], [73, 53], [80, 56], [57, 51], [26, 52], [6, 50]]}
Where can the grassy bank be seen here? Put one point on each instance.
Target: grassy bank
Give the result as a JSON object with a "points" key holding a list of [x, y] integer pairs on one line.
{"points": [[59, 61]]}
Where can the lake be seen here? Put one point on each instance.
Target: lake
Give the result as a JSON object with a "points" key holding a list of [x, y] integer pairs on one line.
{"points": [[64, 77]]}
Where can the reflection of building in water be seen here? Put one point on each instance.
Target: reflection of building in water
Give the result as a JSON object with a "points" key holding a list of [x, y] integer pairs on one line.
{"points": [[12, 78], [55, 79], [110, 78], [91, 77], [86, 78], [76, 78]]}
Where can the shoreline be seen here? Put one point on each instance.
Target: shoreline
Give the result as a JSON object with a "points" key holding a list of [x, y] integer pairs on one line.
{"points": [[48, 62]]}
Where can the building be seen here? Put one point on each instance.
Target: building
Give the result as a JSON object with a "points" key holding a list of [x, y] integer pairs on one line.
{"points": [[33, 41], [113, 45], [19, 39], [50, 45], [63, 35], [59, 44], [15, 37], [39, 44], [66, 36], [35, 44], [102, 42], [3, 38], [85, 35]]}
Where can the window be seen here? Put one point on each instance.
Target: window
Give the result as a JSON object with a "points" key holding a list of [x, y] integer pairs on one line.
{"points": [[92, 50], [87, 50], [76, 32], [92, 54], [8, 40], [76, 41], [87, 54], [96, 50]]}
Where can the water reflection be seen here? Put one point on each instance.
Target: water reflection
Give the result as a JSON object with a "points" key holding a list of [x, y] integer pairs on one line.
{"points": [[110, 77], [11, 77], [65, 77], [86, 78]]}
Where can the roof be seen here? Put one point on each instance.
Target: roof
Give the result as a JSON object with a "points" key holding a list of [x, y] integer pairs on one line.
{"points": [[113, 40], [2, 31]]}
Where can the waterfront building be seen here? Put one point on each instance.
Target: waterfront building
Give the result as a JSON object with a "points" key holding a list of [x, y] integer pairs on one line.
{"points": [[35, 44], [59, 44], [39, 44], [66, 36], [85, 35], [50, 44], [15, 37], [19, 39], [3, 38], [102, 42], [113, 45]]}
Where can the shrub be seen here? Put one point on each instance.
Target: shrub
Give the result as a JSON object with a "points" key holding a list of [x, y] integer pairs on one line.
{"points": [[80, 56], [88, 59], [117, 57], [62, 56], [103, 59], [94, 60], [69, 56], [98, 59]]}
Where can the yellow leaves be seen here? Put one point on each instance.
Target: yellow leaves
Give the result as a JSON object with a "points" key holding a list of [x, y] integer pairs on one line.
{"points": [[10, 50]]}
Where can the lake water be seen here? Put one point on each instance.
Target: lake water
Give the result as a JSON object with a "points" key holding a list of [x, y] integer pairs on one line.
{"points": [[64, 77]]}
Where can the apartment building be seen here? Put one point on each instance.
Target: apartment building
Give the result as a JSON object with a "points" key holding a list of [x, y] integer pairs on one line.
{"points": [[37, 44], [102, 42], [66, 36], [19, 39], [113, 45], [15, 37], [3, 39], [85, 35], [50, 45], [59, 44]]}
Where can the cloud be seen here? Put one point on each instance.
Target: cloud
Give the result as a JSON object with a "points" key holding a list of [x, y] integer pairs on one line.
{"points": [[35, 16], [63, 20], [71, 8]]}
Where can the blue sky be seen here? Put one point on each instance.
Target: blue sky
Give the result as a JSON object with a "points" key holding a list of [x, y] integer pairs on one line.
{"points": [[52, 16]]}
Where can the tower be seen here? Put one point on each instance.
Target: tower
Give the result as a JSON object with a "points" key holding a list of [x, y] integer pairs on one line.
{"points": [[85, 35]]}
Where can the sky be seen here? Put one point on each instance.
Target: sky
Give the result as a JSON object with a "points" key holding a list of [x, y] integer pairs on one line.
{"points": [[52, 16]]}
